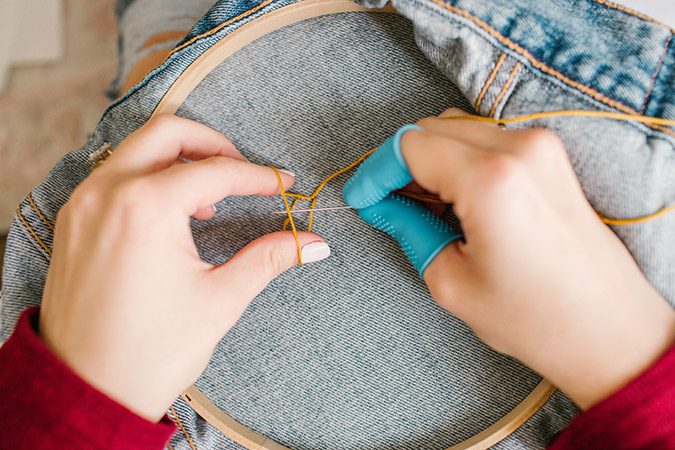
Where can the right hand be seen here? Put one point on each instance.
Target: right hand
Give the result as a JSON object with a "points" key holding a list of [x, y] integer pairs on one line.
{"points": [[539, 276]]}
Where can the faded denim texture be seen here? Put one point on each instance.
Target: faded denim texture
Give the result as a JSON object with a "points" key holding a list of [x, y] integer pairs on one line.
{"points": [[141, 20], [351, 352]]}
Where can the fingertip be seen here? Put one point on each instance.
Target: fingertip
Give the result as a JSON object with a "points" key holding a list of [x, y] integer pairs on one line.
{"points": [[314, 251], [453, 112], [205, 213], [287, 172], [287, 178]]}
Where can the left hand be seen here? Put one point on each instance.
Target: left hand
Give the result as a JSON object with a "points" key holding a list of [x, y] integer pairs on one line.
{"points": [[128, 304]]}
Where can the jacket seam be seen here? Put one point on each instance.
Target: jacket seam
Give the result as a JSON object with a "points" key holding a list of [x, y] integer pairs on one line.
{"points": [[656, 73], [632, 12], [39, 213], [32, 231], [218, 28], [505, 88], [664, 129], [159, 67], [489, 81], [534, 61], [544, 67]]}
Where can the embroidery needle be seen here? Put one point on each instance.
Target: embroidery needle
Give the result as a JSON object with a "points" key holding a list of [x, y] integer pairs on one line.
{"points": [[331, 208]]}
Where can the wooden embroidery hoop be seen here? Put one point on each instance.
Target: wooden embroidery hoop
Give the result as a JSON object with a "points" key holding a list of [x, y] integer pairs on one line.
{"points": [[170, 103]]}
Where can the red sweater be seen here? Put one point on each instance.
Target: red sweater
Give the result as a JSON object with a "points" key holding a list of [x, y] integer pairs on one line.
{"points": [[45, 405]]}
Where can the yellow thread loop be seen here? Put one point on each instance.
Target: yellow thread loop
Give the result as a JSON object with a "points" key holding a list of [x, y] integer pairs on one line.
{"points": [[434, 199], [290, 216], [544, 115], [609, 221]]}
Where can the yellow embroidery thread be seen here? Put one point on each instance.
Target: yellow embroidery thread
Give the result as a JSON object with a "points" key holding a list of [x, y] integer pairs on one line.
{"points": [[290, 216], [434, 199]]}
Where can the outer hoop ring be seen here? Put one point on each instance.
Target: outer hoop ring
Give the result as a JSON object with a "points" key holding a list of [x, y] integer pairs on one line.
{"points": [[170, 103]]}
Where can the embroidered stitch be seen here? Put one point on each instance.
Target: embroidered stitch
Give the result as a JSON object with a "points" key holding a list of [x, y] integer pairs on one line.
{"points": [[609, 221], [100, 155], [489, 81]]}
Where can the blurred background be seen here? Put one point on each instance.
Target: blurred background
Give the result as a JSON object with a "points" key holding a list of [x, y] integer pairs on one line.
{"points": [[57, 59]]}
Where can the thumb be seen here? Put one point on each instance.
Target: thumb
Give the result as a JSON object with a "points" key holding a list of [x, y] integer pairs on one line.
{"points": [[421, 233], [248, 272]]}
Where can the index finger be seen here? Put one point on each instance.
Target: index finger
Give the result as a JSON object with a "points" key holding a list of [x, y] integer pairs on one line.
{"points": [[203, 183], [165, 138]]}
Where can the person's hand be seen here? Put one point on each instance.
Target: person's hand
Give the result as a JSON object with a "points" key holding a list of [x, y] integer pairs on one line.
{"points": [[128, 304], [538, 276]]}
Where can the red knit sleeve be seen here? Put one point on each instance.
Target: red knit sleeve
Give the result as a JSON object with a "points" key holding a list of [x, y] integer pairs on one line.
{"points": [[639, 416], [46, 405]]}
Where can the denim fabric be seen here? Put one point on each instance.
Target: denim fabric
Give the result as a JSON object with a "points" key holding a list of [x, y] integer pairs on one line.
{"points": [[330, 356], [141, 20], [351, 352]]}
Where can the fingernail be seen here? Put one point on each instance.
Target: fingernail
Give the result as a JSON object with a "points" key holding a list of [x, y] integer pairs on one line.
{"points": [[214, 208], [287, 172], [314, 251]]}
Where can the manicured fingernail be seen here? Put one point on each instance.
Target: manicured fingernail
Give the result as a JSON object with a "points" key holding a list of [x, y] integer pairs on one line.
{"points": [[287, 172], [214, 208], [314, 251]]}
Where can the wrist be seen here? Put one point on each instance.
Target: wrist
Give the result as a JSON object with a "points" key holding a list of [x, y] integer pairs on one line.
{"points": [[122, 388], [614, 354]]}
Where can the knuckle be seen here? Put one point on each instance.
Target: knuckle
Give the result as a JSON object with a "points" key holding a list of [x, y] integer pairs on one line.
{"points": [[454, 111], [161, 121], [499, 179], [83, 199], [134, 197], [132, 190], [499, 169], [429, 122], [275, 261], [538, 145]]}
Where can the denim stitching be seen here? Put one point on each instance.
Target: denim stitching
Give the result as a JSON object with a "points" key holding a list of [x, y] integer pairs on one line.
{"points": [[159, 67], [656, 73], [39, 213], [32, 232], [632, 13], [535, 62], [219, 27], [505, 88], [489, 81], [182, 428], [664, 129]]}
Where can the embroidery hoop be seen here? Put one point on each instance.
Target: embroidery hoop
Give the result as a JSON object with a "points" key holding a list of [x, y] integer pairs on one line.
{"points": [[170, 103]]}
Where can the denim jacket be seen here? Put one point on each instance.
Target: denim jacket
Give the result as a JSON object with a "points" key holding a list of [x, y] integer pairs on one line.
{"points": [[354, 353]]}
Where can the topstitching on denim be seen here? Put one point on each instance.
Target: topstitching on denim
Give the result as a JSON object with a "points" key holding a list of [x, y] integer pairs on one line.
{"points": [[632, 12], [489, 81]]}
